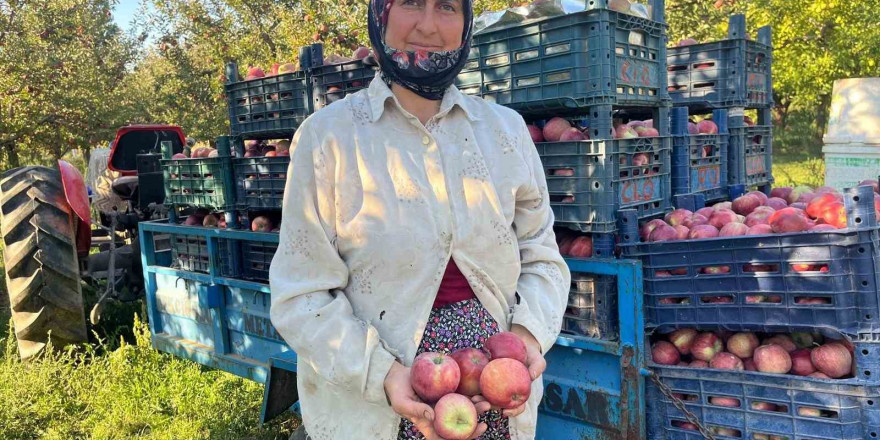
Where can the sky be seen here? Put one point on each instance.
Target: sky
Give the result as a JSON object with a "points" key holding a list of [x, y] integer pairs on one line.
{"points": [[124, 12]]}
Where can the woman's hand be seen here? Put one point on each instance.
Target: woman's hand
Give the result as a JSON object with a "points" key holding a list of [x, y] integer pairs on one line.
{"points": [[406, 403], [534, 362]]}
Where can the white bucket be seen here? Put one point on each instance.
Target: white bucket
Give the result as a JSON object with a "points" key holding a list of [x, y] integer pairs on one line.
{"points": [[855, 112]]}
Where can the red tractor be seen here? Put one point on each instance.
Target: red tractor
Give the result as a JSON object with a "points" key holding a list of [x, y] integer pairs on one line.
{"points": [[49, 234]]}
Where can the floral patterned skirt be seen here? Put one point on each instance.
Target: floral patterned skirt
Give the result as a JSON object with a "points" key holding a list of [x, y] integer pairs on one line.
{"points": [[464, 324]]}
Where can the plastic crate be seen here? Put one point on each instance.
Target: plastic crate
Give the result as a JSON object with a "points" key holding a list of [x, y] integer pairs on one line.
{"points": [[333, 82], [260, 181], [850, 409], [270, 107], [204, 182], [570, 61], [699, 161], [730, 73], [255, 260], [605, 180], [751, 155], [592, 307], [762, 283], [190, 252]]}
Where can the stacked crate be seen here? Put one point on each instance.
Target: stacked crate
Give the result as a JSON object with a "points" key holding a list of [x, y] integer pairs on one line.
{"points": [[734, 75], [597, 68], [822, 283]]}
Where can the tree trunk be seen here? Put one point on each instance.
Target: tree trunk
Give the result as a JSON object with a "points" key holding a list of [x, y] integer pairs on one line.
{"points": [[822, 115], [11, 156]]}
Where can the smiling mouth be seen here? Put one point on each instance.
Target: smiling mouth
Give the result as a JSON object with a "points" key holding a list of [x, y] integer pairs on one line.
{"points": [[421, 47]]}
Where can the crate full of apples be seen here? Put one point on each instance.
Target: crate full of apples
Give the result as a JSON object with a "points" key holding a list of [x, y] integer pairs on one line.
{"points": [[268, 105], [763, 386], [447, 382], [340, 76], [261, 174], [202, 179], [798, 258]]}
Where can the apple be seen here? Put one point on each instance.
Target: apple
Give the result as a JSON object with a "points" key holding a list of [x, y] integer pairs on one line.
{"points": [[818, 375], [572, 135], [687, 42], [625, 132], [620, 5], [683, 339], [832, 359], [582, 247], [179, 156], [733, 230], [834, 214], [706, 212], [809, 412], [194, 220], [261, 224], [744, 205], [795, 194], [707, 127], [684, 425], [781, 192], [210, 220], [287, 68], [360, 53], [682, 232], [772, 359], [801, 363], [455, 417], [749, 365], [695, 220], [283, 153], [706, 346], [722, 217], [759, 195], [697, 363], [554, 128], [776, 203], [213, 153], [788, 220], [703, 231], [536, 133], [663, 232], [678, 217], [728, 402], [647, 228], [726, 361], [270, 153], [470, 364], [823, 227], [743, 344], [434, 375], [664, 353], [506, 345], [760, 217], [640, 160], [760, 229], [505, 383], [254, 73], [818, 204], [783, 341]]}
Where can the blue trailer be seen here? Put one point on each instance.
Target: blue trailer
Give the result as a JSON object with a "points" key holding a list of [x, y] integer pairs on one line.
{"points": [[594, 389]]}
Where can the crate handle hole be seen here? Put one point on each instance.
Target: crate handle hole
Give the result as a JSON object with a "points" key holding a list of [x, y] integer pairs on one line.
{"points": [[769, 407], [673, 300], [724, 299], [714, 270], [870, 403], [865, 351], [867, 373], [728, 402], [686, 397]]}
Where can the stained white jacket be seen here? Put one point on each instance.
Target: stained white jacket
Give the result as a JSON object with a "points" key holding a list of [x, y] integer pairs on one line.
{"points": [[374, 207]]}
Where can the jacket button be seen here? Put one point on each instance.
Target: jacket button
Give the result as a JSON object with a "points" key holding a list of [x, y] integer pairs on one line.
{"points": [[425, 140]]}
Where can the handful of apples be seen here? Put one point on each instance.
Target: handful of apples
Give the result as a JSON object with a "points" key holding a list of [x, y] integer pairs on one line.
{"points": [[449, 381]]}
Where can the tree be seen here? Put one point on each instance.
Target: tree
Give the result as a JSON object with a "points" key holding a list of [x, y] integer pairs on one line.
{"points": [[61, 64]]}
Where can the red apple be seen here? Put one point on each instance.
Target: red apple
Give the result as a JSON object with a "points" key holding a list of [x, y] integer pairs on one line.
{"points": [[759, 229], [809, 412], [722, 217], [703, 231], [758, 218], [360, 53], [722, 205], [647, 228], [795, 194], [834, 214], [706, 346], [744, 205], [823, 227], [270, 153], [818, 375], [818, 204], [749, 365], [759, 195], [572, 135], [801, 364], [554, 128], [664, 353], [678, 217], [261, 224], [706, 212], [434, 375], [726, 361], [684, 425], [179, 156], [506, 345], [287, 68], [663, 232], [783, 341], [210, 220], [788, 220], [470, 364], [455, 417], [764, 406], [698, 364], [536, 133], [682, 231], [781, 192], [772, 359], [254, 73], [582, 247], [776, 203], [832, 359], [733, 230], [687, 42], [707, 127], [505, 383], [729, 402], [742, 344], [695, 220]]}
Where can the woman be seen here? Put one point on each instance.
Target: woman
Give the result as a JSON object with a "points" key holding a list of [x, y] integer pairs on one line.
{"points": [[415, 219]]}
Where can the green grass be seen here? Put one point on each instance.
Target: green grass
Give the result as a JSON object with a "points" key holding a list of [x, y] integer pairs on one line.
{"points": [[123, 390], [798, 170]]}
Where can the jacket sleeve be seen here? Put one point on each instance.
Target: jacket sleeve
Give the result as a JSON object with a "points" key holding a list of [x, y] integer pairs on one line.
{"points": [[544, 282], [307, 275]]}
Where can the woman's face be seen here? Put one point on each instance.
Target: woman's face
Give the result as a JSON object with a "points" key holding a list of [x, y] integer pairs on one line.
{"points": [[431, 25]]}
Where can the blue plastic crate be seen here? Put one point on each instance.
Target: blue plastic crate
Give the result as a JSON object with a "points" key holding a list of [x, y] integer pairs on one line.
{"points": [[268, 108], [260, 181], [751, 155], [592, 307], [586, 58], [333, 82], [699, 161], [255, 260], [730, 73], [850, 409], [604, 179], [764, 280]]}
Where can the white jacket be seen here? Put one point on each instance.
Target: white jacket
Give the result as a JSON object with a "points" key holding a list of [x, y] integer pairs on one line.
{"points": [[374, 207]]}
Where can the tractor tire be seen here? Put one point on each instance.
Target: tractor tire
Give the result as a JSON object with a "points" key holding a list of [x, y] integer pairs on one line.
{"points": [[42, 271]]}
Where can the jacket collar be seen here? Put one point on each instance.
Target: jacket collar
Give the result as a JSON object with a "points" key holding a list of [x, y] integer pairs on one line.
{"points": [[379, 92]]}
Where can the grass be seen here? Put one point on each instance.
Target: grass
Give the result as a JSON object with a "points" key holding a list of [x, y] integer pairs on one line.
{"points": [[798, 170], [123, 390]]}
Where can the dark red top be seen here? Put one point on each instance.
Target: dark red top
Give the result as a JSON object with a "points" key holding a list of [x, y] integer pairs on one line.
{"points": [[453, 288]]}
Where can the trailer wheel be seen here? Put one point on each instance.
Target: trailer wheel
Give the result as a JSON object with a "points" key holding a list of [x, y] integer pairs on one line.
{"points": [[42, 271]]}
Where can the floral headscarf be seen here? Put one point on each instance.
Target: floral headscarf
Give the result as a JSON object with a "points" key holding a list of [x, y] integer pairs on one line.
{"points": [[426, 73]]}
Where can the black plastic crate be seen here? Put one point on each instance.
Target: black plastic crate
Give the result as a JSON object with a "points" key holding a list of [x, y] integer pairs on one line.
{"points": [[767, 283], [256, 257], [604, 177], [592, 307], [260, 181], [730, 73], [268, 108], [571, 61], [190, 252], [333, 82], [699, 161]]}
